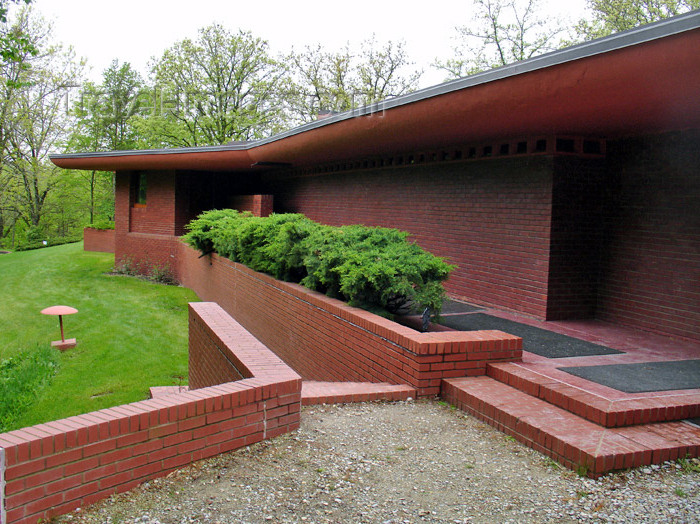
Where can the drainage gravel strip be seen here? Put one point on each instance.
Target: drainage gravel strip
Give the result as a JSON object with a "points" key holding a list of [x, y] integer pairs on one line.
{"points": [[399, 463]]}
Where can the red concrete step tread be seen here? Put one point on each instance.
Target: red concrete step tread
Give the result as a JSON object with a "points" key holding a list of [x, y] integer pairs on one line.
{"points": [[345, 392], [603, 411], [573, 441]]}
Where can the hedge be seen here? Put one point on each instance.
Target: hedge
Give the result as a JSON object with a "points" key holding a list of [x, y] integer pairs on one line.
{"points": [[374, 268]]}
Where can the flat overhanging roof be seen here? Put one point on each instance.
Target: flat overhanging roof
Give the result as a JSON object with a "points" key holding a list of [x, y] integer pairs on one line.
{"points": [[642, 81]]}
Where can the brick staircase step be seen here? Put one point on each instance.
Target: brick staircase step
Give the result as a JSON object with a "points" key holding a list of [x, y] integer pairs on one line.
{"points": [[313, 392], [573, 441], [593, 407]]}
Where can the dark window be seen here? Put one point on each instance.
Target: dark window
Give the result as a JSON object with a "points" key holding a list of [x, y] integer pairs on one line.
{"points": [[140, 189], [592, 147], [565, 145]]}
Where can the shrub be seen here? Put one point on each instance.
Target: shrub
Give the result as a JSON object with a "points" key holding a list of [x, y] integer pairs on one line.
{"points": [[375, 268], [102, 224], [372, 267], [212, 225], [126, 266], [161, 274], [49, 243]]}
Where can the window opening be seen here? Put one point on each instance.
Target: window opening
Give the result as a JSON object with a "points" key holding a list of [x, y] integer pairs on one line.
{"points": [[565, 145], [591, 147], [140, 190]]}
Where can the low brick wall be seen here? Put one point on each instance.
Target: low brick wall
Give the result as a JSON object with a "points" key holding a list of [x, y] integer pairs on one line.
{"points": [[98, 240], [53, 468], [326, 340]]}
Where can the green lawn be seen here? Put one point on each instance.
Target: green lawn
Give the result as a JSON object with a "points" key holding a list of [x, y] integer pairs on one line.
{"points": [[132, 334]]}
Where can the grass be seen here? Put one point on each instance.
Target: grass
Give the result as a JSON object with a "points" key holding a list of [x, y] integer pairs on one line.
{"points": [[22, 378], [680, 493], [132, 334], [689, 465]]}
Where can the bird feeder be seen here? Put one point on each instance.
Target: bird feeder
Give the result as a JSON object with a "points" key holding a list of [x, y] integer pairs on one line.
{"points": [[59, 311]]}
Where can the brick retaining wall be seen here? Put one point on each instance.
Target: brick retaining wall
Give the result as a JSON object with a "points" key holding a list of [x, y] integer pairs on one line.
{"points": [[325, 339], [98, 240], [53, 468]]}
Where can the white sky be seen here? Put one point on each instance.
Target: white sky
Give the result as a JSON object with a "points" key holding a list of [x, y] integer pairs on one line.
{"points": [[136, 30]]}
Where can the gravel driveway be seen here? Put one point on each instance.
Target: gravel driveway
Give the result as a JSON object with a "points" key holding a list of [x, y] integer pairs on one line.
{"points": [[399, 463]]}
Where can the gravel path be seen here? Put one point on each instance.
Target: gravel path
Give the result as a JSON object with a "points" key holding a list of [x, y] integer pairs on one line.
{"points": [[399, 463]]}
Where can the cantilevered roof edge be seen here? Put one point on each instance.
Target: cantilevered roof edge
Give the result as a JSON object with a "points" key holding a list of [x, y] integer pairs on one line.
{"points": [[664, 28]]}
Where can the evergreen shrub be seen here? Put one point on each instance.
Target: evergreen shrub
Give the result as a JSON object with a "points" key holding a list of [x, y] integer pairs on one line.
{"points": [[374, 268]]}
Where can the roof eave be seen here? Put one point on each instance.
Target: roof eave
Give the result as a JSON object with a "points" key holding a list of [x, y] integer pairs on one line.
{"points": [[325, 133]]}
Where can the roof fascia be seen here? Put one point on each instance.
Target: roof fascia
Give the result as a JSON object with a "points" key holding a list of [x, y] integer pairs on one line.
{"points": [[664, 28]]}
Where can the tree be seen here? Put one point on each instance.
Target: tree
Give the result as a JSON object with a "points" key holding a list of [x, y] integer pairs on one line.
{"points": [[121, 87], [322, 81], [104, 120], [612, 16], [340, 81], [219, 87], [502, 32], [12, 45], [34, 118], [14, 67], [380, 71], [104, 113]]}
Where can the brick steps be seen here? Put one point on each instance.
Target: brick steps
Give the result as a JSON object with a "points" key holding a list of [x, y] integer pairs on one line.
{"points": [[598, 409], [573, 441], [313, 392]]}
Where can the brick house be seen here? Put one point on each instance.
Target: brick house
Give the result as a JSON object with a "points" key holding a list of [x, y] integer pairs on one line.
{"points": [[563, 187]]}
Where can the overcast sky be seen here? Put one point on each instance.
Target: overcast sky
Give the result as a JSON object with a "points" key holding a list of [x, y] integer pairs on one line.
{"points": [[136, 30]]}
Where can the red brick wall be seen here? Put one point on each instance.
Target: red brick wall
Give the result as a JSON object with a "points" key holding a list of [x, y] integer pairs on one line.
{"points": [[491, 218], [325, 339], [98, 240], [158, 214], [209, 368], [148, 236], [259, 205], [53, 468], [650, 276]]}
